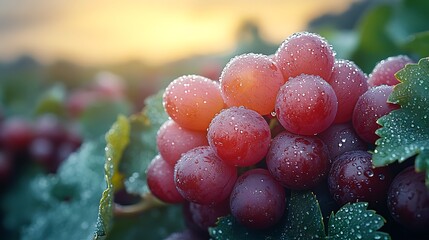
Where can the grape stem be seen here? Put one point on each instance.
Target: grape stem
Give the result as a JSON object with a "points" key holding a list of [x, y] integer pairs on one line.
{"points": [[147, 202]]}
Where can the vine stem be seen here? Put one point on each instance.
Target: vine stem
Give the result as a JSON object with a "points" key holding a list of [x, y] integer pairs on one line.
{"points": [[147, 202]]}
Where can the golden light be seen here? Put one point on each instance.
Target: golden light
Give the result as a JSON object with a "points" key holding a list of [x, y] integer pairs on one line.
{"points": [[98, 32]]}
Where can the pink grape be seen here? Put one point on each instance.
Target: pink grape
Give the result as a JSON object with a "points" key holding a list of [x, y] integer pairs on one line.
{"points": [[349, 83], [206, 215], [173, 141], [369, 108], [160, 180], [384, 72], [202, 177], [239, 136], [251, 80], [305, 53], [306, 105], [192, 101]]}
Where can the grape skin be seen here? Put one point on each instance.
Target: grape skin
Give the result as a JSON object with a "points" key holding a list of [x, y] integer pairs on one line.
{"points": [[173, 141], [408, 200], [251, 80], [201, 177], [352, 178], [239, 136], [384, 72], [305, 53], [298, 162], [349, 83], [160, 180], [257, 200], [369, 108], [341, 138], [306, 105], [192, 101]]}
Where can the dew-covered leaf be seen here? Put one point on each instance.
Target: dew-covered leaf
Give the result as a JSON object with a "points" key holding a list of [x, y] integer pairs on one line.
{"points": [[97, 118], [354, 221], [405, 132], [303, 220], [153, 224], [117, 139], [142, 148], [64, 205]]}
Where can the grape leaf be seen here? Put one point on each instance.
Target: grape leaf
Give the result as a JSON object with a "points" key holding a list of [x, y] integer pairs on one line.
{"points": [[295, 224], [117, 139], [64, 205], [418, 44], [142, 148], [405, 132], [98, 117], [354, 221], [303, 220]]}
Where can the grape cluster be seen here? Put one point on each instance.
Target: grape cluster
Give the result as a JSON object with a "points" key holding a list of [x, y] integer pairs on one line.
{"points": [[294, 120], [46, 142]]}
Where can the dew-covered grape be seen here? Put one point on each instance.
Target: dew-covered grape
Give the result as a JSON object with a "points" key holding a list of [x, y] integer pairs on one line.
{"points": [[384, 72], [202, 177], [192, 101], [408, 200], [257, 200], [306, 105], [349, 83], [173, 141], [369, 108], [341, 138], [239, 136], [251, 80], [352, 178], [160, 180], [305, 53], [298, 162]]}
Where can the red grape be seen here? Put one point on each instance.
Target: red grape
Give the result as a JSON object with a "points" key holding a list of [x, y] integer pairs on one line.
{"points": [[251, 80], [206, 215], [384, 71], [369, 108], [192, 101], [257, 200], [352, 178], [306, 105], [160, 180], [408, 200], [202, 177], [349, 83], [239, 136], [341, 138], [298, 162], [173, 141], [306, 53]]}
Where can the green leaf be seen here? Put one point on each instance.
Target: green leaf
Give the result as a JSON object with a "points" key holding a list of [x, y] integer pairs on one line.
{"points": [[142, 148], [117, 139], [418, 44], [97, 119], [375, 42], [64, 205], [354, 221], [303, 220], [405, 132], [153, 224], [52, 101]]}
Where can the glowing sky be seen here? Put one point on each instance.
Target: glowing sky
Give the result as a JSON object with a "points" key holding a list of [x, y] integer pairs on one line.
{"points": [[105, 31]]}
